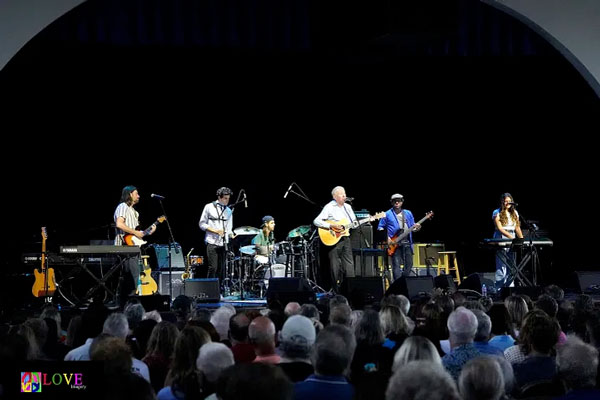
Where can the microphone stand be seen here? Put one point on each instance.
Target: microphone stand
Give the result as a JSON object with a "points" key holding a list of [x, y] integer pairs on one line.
{"points": [[313, 283], [532, 253], [226, 245], [171, 244]]}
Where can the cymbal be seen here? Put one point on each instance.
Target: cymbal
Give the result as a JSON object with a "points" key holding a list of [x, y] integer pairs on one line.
{"points": [[246, 230], [248, 250], [299, 231]]}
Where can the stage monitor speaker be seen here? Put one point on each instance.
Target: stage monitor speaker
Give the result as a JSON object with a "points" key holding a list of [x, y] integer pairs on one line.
{"points": [[286, 290], [202, 290], [162, 257], [532, 291], [154, 302], [588, 281], [476, 280], [163, 282], [362, 291], [356, 239], [411, 286], [445, 282]]}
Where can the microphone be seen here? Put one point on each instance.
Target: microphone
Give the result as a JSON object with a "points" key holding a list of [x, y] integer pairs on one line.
{"points": [[349, 199], [245, 200], [290, 188], [513, 204], [157, 196]]}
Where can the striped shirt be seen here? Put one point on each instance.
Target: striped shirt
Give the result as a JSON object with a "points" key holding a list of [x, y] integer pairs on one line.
{"points": [[131, 217], [213, 216]]}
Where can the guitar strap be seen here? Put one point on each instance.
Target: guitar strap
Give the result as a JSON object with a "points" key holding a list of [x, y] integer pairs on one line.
{"points": [[347, 213]]}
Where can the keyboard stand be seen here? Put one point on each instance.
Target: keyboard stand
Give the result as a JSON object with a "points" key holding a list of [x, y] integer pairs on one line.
{"points": [[102, 282]]}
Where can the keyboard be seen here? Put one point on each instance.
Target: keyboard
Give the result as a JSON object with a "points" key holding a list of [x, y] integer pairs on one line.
{"points": [[494, 242], [100, 249]]}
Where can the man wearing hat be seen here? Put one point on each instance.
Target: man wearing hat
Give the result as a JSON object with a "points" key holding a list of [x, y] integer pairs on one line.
{"points": [[265, 239], [395, 222]]}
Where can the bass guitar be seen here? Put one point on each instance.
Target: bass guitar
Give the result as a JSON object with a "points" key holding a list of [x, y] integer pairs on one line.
{"points": [[398, 237], [331, 236], [44, 285], [132, 240]]}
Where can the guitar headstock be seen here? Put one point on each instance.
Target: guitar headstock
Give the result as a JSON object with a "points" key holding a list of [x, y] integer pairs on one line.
{"points": [[161, 219], [44, 233], [379, 215], [429, 214]]}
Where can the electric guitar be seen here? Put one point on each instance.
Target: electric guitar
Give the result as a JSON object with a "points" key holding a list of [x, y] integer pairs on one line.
{"points": [[398, 237], [44, 285], [132, 240], [146, 285], [331, 236]]}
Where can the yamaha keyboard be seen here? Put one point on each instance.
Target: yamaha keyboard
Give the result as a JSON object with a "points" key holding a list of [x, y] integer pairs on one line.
{"points": [[100, 249], [501, 242]]}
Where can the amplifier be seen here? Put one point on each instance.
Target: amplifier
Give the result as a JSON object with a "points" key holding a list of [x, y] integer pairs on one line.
{"points": [[177, 283]]}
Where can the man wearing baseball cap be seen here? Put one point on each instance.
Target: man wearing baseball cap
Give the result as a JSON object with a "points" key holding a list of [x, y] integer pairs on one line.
{"points": [[396, 222]]}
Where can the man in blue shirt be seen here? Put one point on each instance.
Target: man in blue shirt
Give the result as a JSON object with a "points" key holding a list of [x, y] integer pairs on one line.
{"points": [[395, 222]]}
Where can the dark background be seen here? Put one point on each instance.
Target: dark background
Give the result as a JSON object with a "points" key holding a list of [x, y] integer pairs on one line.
{"points": [[448, 116]]}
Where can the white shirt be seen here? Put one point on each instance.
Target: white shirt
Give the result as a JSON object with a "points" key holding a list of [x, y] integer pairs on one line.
{"points": [[334, 212], [213, 216]]}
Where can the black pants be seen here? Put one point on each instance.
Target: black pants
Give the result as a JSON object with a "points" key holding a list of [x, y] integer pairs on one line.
{"points": [[215, 256], [341, 262], [128, 279]]}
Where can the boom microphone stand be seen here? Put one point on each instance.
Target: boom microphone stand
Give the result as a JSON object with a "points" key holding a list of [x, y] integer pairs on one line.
{"points": [[313, 237]]}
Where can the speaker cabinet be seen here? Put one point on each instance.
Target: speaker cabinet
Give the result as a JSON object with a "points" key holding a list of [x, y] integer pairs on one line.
{"points": [[411, 286], [445, 282], [362, 291], [162, 257], [202, 290], [357, 240], [176, 282], [476, 280], [286, 290], [588, 281]]}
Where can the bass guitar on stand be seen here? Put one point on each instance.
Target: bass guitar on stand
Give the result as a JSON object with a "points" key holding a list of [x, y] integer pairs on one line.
{"points": [[398, 237], [44, 285]]}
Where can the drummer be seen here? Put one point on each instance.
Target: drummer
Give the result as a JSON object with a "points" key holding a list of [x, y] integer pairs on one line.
{"points": [[265, 240]]}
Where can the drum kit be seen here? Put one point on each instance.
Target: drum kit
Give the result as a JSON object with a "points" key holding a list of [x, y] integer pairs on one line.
{"points": [[250, 271]]}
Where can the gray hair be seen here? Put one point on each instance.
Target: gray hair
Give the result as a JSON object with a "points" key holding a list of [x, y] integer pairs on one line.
{"points": [[462, 325], [421, 380], [577, 363], [134, 314], [481, 379], [333, 350], [220, 320], [484, 326], [214, 358], [116, 325], [416, 348], [337, 189]]}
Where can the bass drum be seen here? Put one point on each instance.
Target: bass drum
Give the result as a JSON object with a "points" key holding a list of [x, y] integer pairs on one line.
{"points": [[263, 273]]}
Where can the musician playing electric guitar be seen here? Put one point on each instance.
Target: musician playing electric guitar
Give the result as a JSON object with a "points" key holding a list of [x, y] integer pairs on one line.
{"points": [[395, 222], [126, 220], [341, 261]]}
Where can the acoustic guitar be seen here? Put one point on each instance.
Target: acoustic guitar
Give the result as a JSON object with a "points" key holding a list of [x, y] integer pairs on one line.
{"points": [[146, 285], [45, 284], [398, 237], [331, 236], [132, 240]]}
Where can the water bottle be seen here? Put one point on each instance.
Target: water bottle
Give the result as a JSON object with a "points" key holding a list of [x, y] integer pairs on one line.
{"points": [[483, 290]]}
